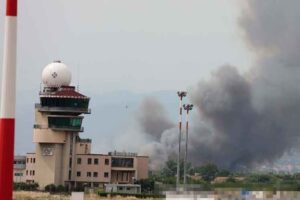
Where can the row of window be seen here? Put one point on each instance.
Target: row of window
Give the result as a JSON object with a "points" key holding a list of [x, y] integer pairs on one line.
{"points": [[31, 172], [64, 122], [122, 162], [65, 102], [18, 174], [30, 160], [95, 174], [19, 162], [90, 160]]}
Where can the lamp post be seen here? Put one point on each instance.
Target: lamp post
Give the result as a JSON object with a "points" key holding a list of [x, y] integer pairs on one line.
{"points": [[188, 108], [180, 94]]}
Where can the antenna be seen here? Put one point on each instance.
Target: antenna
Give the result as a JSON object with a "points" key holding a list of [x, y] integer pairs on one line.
{"points": [[78, 76]]}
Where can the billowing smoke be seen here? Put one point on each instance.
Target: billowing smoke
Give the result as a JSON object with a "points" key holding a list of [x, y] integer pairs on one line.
{"points": [[243, 120], [153, 119]]}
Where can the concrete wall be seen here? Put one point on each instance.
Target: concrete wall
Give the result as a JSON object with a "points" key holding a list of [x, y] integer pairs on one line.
{"points": [[44, 134], [48, 136], [30, 171], [99, 168], [19, 175], [45, 165], [83, 148], [142, 167]]}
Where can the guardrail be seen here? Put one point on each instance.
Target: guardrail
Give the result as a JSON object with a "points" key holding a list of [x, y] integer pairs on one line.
{"points": [[62, 109], [67, 128], [59, 128]]}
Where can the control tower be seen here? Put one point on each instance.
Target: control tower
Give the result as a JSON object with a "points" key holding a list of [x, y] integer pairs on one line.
{"points": [[58, 122]]}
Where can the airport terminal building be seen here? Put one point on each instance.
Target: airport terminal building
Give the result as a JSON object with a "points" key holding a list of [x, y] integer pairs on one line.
{"points": [[61, 156]]}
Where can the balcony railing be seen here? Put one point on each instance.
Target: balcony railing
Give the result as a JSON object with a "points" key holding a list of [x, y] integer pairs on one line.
{"points": [[78, 139], [62, 109], [59, 128], [19, 166], [67, 128]]}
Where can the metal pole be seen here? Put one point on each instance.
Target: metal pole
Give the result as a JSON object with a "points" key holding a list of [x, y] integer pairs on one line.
{"points": [[180, 94], [8, 99], [187, 107]]}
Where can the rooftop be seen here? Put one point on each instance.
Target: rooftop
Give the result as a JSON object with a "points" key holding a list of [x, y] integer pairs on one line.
{"points": [[62, 92]]}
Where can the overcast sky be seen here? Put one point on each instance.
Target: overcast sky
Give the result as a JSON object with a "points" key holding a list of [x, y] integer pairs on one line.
{"points": [[139, 45], [134, 45]]}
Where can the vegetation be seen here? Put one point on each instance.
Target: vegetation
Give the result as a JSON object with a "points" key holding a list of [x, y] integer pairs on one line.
{"points": [[147, 185], [208, 174], [140, 196], [56, 189], [26, 186], [206, 177]]}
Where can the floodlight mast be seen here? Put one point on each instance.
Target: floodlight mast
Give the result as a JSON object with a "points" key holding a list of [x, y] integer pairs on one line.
{"points": [[8, 99], [188, 108], [180, 94]]}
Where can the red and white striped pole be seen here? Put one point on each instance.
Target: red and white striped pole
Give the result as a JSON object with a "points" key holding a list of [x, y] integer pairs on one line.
{"points": [[8, 99]]}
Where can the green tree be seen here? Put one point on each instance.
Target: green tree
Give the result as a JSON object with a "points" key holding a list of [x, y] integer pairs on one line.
{"points": [[170, 168], [260, 178], [50, 188], [147, 185], [208, 171], [224, 173], [231, 179]]}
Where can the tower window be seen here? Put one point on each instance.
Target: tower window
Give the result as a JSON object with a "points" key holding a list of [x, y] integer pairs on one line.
{"points": [[106, 161], [88, 174], [78, 161], [89, 161], [70, 174], [95, 174], [78, 174], [106, 174], [96, 161]]}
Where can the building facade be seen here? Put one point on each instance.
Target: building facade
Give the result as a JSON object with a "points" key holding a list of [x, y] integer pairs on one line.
{"points": [[61, 156]]}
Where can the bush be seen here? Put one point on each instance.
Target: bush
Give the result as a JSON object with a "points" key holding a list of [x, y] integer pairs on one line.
{"points": [[50, 188], [61, 188], [260, 178], [147, 185], [26, 186], [79, 188], [56, 189], [231, 180]]}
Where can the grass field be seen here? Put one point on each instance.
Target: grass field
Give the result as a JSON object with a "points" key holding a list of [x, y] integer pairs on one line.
{"points": [[22, 195]]}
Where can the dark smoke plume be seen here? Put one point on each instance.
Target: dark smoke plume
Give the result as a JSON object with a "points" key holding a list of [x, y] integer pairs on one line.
{"points": [[152, 118], [245, 120]]}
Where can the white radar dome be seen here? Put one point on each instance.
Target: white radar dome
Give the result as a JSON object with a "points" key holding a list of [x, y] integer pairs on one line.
{"points": [[56, 74]]}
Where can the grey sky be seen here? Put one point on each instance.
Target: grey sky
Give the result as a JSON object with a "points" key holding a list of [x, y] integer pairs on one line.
{"points": [[128, 44], [135, 45]]}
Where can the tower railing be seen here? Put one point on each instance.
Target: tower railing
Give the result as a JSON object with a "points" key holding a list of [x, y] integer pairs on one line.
{"points": [[59, 128], [62, 109]]}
